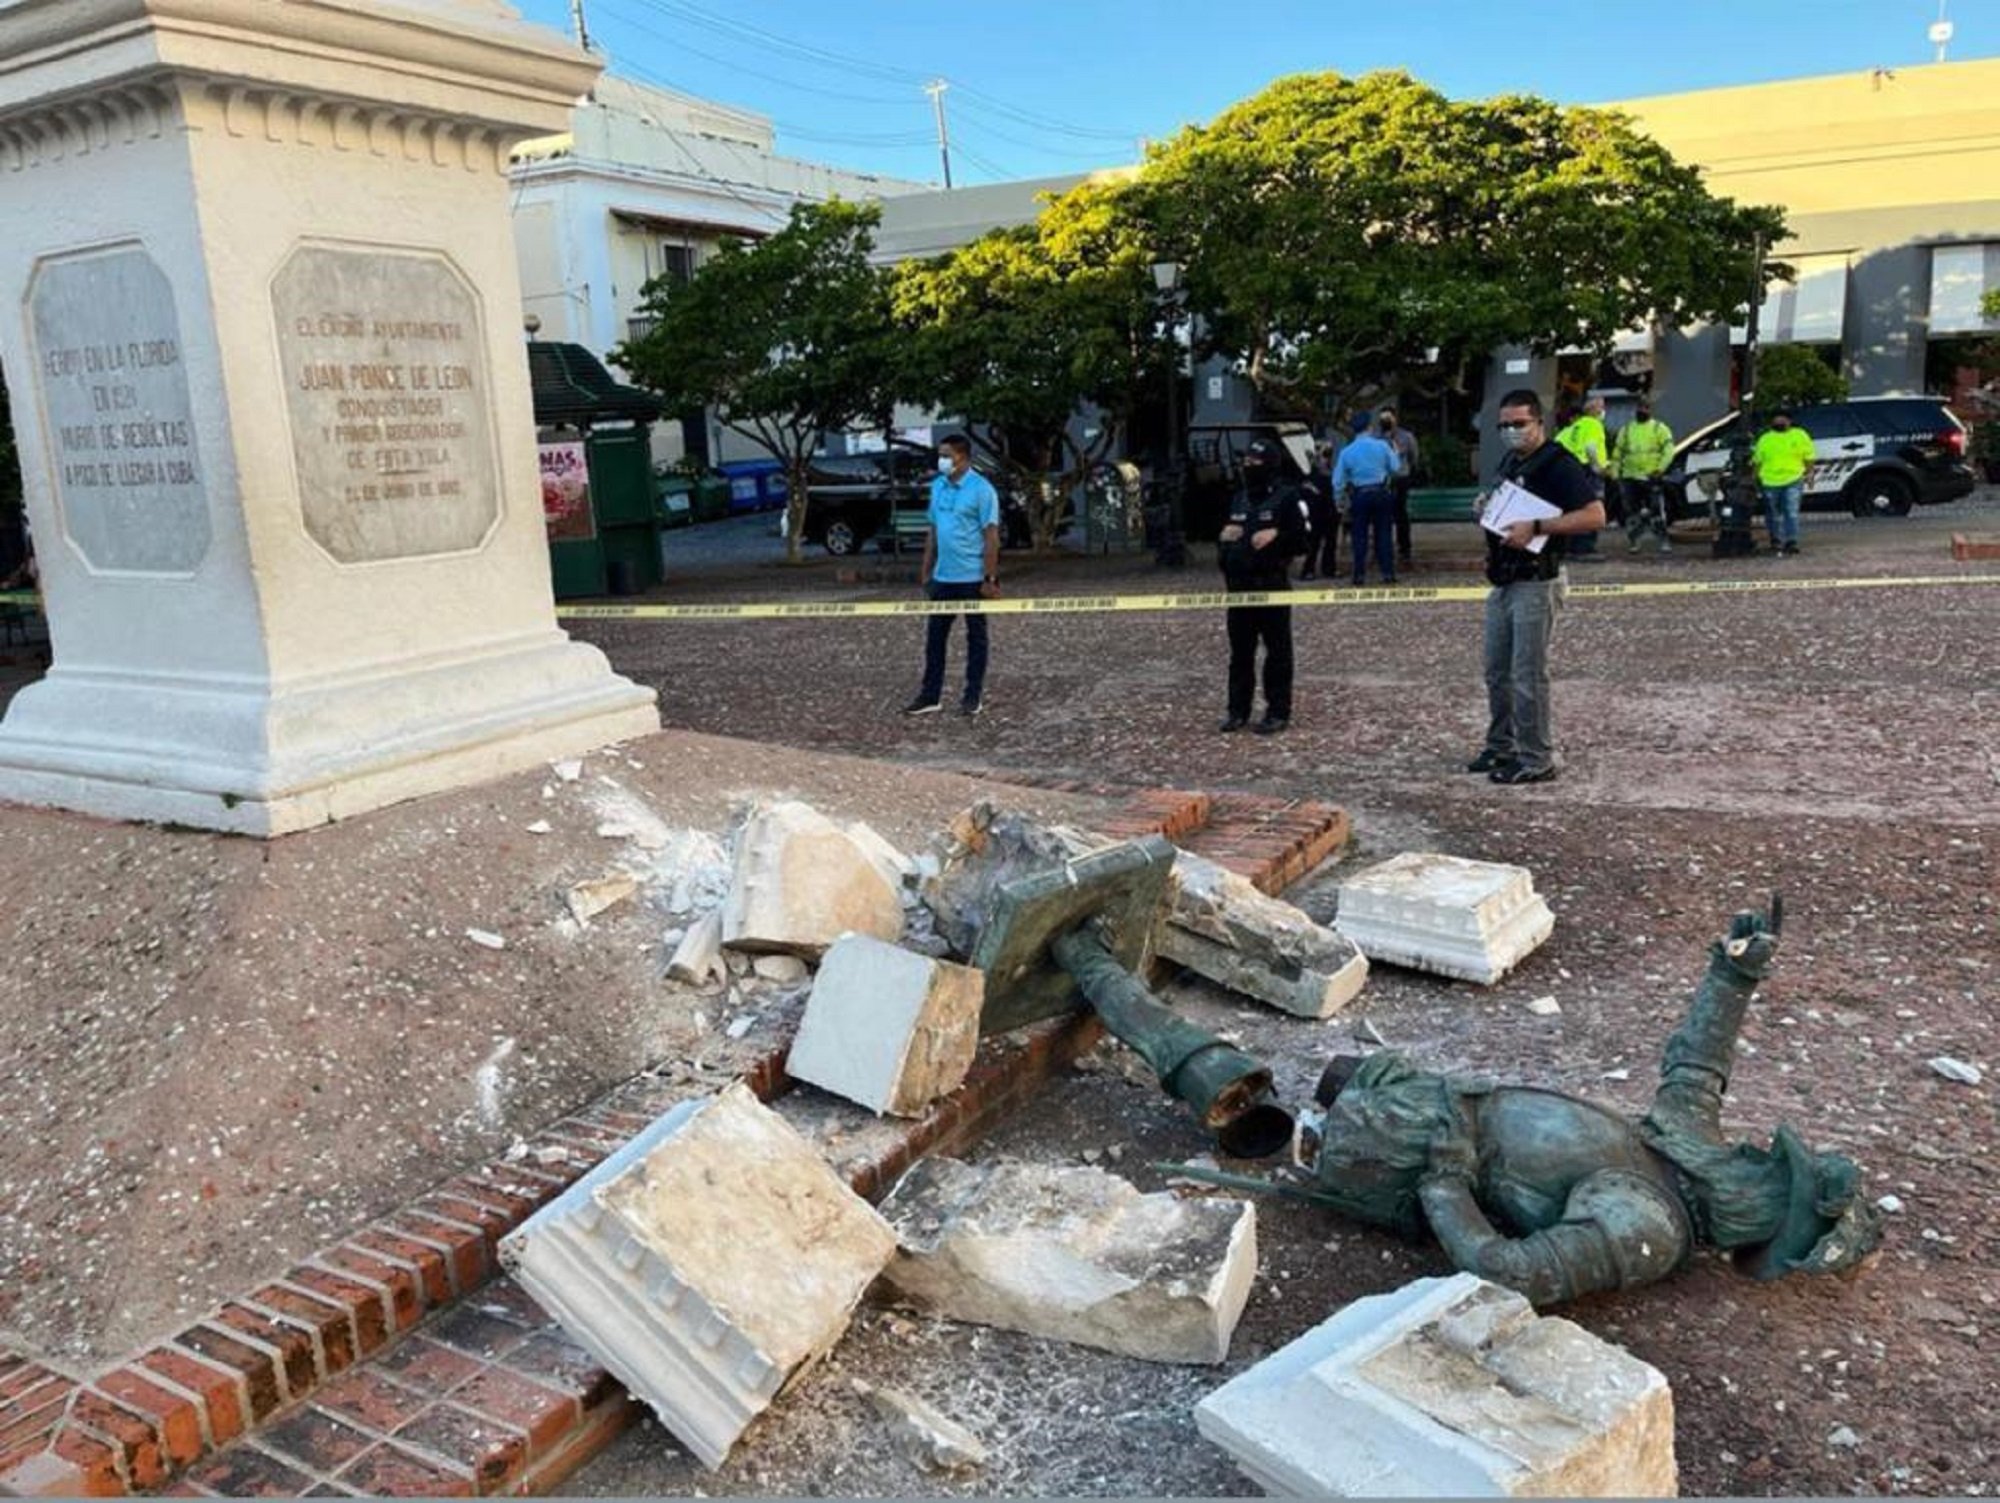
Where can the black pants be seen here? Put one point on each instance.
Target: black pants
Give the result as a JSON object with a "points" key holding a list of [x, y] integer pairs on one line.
{"points": [[1271, 625], [1399, 491], [937, 632], [1322, 554]]}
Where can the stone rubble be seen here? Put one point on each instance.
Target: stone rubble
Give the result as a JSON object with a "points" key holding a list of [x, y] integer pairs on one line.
{"points": [[799, 882], [1222, 927], [587, 900], [1074, 1254], [887, 1028], [705, 1263], [697, 959], [1448, 1387], [1957, 1070], [935, 1442], [1474, 920]]}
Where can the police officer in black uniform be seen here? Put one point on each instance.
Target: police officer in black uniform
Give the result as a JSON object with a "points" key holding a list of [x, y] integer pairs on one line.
{"points": [[1267, 529]]}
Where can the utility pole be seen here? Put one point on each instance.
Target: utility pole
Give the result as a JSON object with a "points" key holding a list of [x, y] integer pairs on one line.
{"points": [[1941, 31], [935, 88], [576, 21]]}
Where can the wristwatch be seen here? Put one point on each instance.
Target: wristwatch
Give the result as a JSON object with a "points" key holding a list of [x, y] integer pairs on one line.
{"points": [[993, 579], [1537, 526]]}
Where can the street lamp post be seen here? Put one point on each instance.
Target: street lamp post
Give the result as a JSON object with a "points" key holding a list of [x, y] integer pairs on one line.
{"points": [[1173, 547]]}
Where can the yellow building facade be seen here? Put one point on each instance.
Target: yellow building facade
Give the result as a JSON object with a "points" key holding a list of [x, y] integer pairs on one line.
{"points": [[1890, 180]]}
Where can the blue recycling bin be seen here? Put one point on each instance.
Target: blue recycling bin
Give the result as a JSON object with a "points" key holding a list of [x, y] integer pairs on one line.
{"points": [[749, 483]]}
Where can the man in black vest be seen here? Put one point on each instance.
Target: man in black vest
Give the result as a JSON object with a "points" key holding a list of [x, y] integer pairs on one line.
{"points": [[1527, 594], [1267, 529]]}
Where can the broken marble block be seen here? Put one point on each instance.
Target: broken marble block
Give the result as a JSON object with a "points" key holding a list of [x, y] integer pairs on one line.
{"points": [[697, 958], [1448, 1387], [800, 881], [1221, 926], [1475, 920], [1074, 1254], [705, 1263], [886, 1027]]}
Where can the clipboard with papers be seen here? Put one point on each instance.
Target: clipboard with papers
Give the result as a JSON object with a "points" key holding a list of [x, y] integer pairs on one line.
{"points": [[1511, 503]]}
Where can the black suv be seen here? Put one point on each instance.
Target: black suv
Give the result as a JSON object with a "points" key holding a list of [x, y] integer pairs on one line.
{"points": [[852, 498], [1873, 456]]}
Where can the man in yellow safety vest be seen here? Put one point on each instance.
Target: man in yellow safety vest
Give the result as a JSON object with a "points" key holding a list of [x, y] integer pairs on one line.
{"points": [[1584, 437], [1639, 457]]}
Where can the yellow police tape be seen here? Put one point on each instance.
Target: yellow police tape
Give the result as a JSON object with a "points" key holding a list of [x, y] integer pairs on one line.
{"points": [[1201, 600]]}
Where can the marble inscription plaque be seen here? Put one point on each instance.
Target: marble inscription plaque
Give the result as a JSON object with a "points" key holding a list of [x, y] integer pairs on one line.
{"points": [[110, 370], [388, 390]]}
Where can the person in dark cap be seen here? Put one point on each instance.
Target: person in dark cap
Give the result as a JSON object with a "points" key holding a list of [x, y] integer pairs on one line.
{"points": [[1266, 530]]}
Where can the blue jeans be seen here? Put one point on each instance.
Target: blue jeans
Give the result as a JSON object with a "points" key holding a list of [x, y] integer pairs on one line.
{"points": [[1520, 619], [937, 633], [1373, 515], [1781, 512]]}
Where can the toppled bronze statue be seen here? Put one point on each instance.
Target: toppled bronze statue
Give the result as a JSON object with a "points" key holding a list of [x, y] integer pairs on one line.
{"points": [[1558, 1198]]}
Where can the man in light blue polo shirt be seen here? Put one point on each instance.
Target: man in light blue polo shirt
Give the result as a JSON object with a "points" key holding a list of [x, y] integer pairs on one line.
{"points": [[1362, 475], [961, 562]]}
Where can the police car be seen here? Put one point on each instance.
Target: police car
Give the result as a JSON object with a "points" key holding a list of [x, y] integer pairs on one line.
{"points": [[1873, 456]]}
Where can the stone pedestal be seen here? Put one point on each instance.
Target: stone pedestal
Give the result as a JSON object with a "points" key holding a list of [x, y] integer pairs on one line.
{"points": [[1448, 1388], [1475, 920], [268, 380]]}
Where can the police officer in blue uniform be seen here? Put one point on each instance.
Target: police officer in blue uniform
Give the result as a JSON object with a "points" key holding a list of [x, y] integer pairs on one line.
{"points": [[1267, 529]]}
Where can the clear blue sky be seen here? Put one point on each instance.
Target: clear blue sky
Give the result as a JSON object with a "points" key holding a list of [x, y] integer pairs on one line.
{"points": [[1047, 86]]}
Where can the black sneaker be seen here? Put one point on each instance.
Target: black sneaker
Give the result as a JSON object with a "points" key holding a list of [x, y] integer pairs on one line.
{"points": [[1233, 723], [1270, 725], [922, 706], [1486, 761], [1791, 550], [1514, 772], [970, 706]]}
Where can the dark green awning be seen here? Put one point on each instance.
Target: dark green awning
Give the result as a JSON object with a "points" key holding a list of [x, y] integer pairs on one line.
{"points": [[572, 386]]}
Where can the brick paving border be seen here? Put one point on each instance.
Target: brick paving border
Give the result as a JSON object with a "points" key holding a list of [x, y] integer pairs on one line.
{"points": [[1966, 550], [397, 1361]]}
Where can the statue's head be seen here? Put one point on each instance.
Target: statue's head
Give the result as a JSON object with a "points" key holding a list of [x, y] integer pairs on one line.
{"points": [[1775, 1210], [1382, 1114]]}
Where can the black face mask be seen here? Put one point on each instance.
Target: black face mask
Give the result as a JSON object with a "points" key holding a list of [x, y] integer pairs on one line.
{"points": [[1256, 478]]}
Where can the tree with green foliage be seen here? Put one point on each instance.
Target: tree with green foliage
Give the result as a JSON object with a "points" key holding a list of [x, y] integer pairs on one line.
{"points": [[1794, 375], [1024, 328], [787, 338], [1338, 230]]}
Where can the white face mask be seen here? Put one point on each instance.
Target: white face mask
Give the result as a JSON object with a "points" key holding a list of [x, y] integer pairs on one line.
{"points": [[1515, 438], [944, 464]]}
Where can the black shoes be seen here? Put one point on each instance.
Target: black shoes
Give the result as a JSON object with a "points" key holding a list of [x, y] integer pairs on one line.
{"points": [[1270, 725], [922, 706], [1486, 761], [1233, 723], [1514, 772], [970, 706]]}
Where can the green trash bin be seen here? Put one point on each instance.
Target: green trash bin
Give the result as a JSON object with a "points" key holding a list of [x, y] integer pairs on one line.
{"points": [[711, 498], [676, 493]]}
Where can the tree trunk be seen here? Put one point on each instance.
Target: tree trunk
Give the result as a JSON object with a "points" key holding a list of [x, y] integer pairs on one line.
{"points": [[797, 469]]}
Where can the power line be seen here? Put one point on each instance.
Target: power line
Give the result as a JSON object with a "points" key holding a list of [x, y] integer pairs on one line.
{"points": [[900, 101], [847, 63]]}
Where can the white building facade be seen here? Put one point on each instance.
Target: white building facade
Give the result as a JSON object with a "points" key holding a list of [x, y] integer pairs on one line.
{"points": [[647, 182]]}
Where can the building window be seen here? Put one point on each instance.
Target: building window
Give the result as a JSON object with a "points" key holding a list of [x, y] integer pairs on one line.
{"points": [[676, 263]]}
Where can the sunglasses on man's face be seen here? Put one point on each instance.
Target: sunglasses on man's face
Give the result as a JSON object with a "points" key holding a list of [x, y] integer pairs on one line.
{"points": [[1514, 425]]}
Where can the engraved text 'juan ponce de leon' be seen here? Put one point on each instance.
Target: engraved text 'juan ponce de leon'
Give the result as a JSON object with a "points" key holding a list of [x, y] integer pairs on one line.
{"points": [[390, 418]]}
